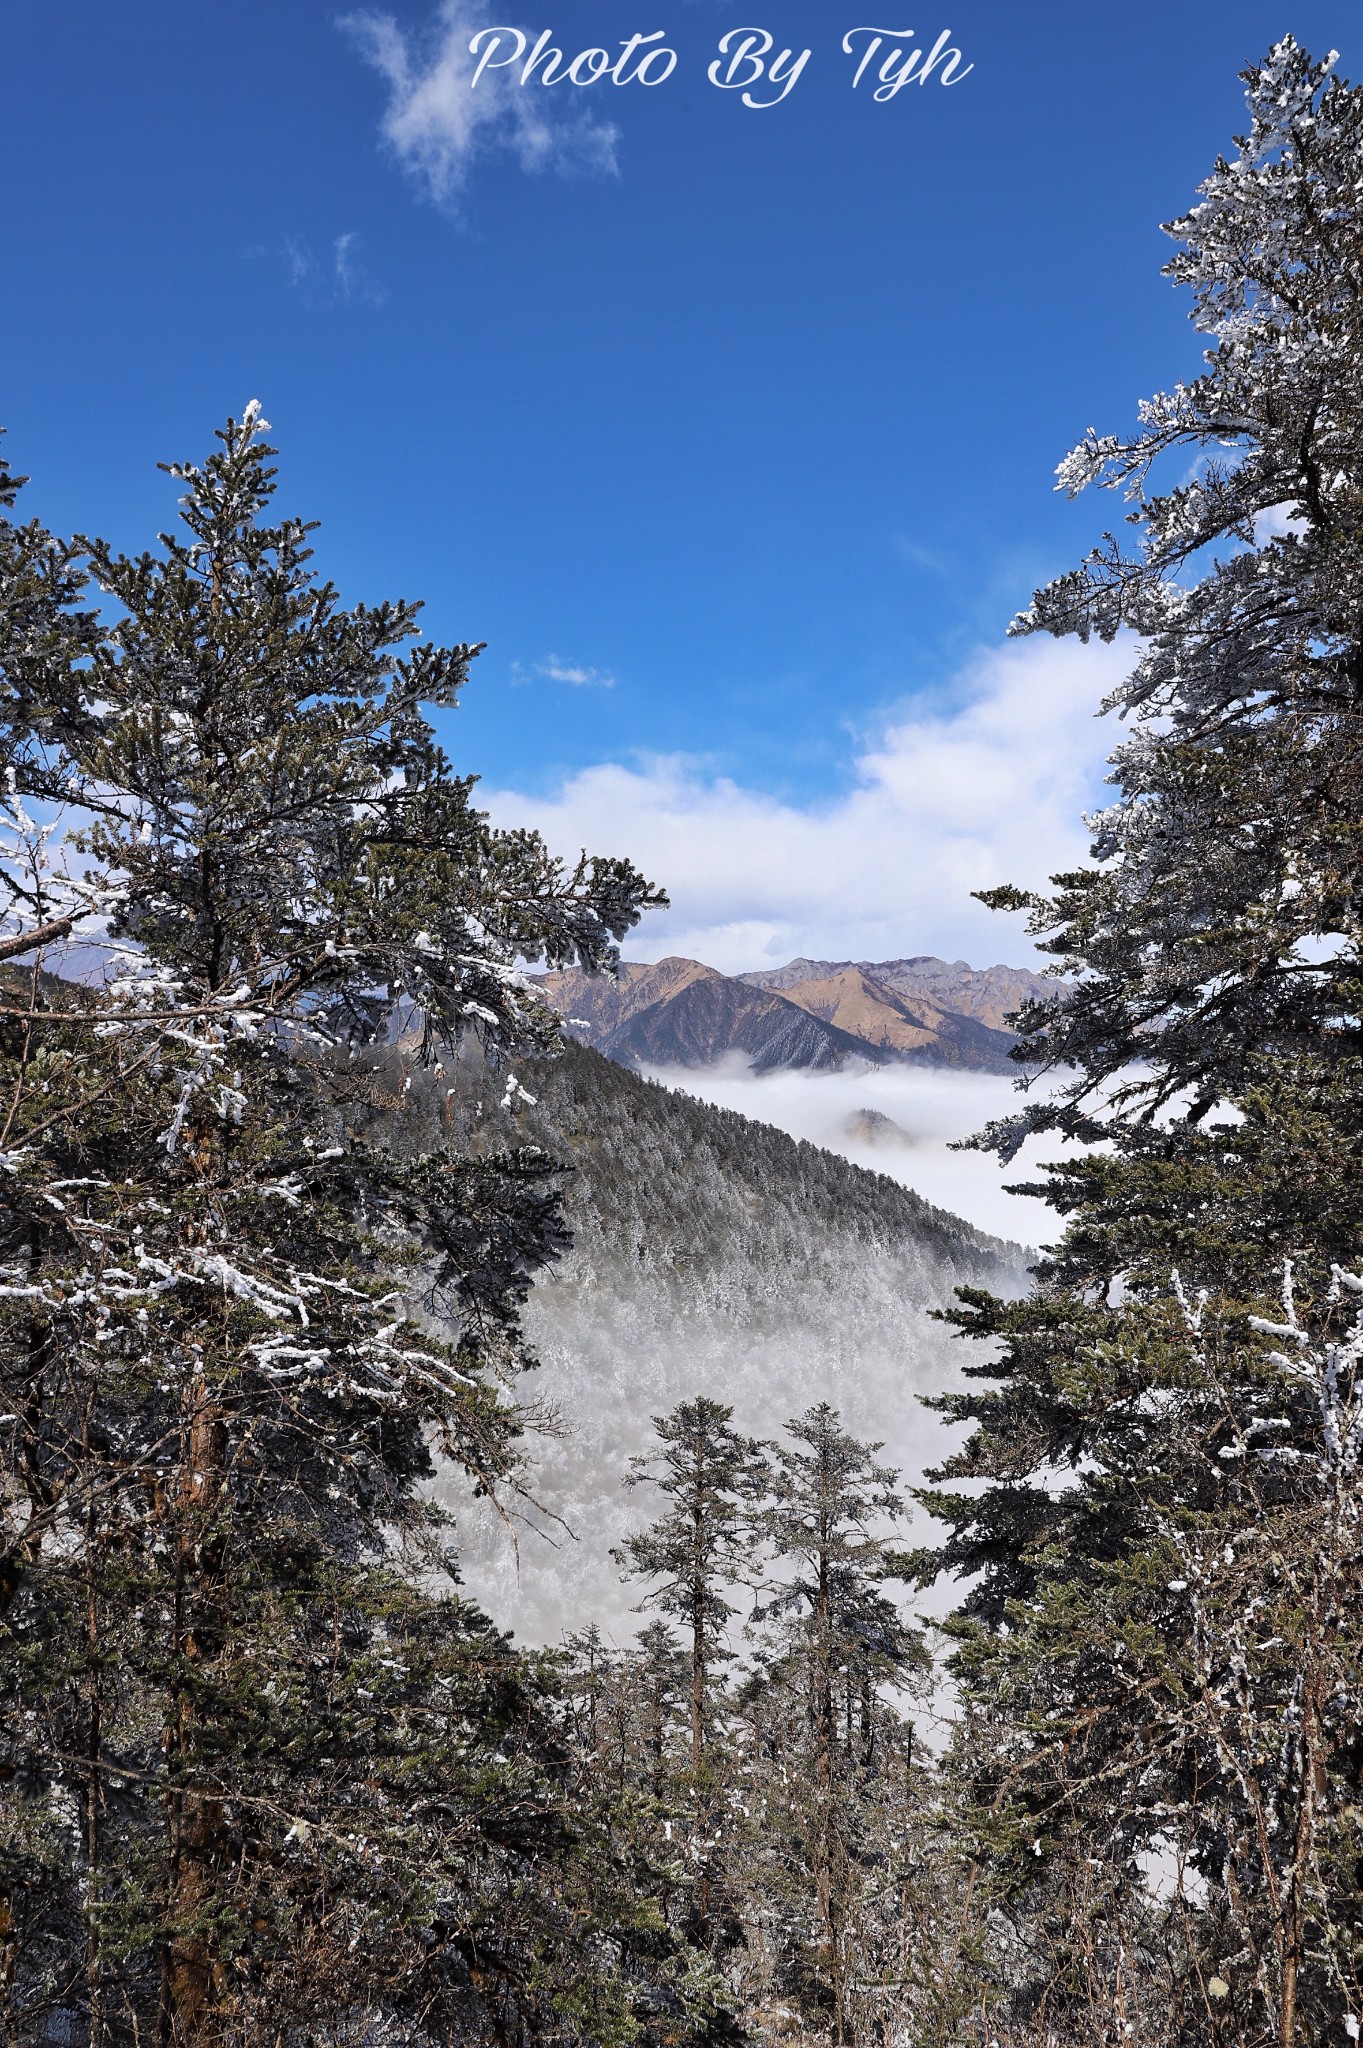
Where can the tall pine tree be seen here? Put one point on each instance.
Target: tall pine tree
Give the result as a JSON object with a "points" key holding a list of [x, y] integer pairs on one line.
{"points": [[833, 1636], [1159, 1648], [266, 1771], [701, 1547]]}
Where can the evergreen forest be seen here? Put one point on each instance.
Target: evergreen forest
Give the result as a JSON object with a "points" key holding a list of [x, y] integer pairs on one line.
{"points": [[1059, 1748]]}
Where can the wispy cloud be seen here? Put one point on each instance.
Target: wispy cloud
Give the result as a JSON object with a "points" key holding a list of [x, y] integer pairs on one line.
{"points": [[916, 556], [352, 279], [337, 275], [438, 123], [988, 788], [554, 669]]}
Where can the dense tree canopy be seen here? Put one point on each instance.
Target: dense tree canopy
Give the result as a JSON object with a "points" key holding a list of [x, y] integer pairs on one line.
{"points": [[1159, 1647], [270, 1763]]}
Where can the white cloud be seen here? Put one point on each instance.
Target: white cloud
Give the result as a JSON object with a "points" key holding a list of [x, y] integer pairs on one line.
{"points": [[555, 669], [437, 122], [934, 1107], [988, 789], [1275, 522], [341, 276]]}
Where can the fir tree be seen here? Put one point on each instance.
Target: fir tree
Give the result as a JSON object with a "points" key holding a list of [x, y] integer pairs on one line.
{"points": [[264, 1770], [1163, 1557], [657, 1677], [1220, 923], [800, 1854], [696, 1553], [835, 1637], [700, 1548]]}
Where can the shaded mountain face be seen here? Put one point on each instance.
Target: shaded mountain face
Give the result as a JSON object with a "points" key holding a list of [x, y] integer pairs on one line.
{"points": [[682, 1014], [813, 1014], [711, 1255]]}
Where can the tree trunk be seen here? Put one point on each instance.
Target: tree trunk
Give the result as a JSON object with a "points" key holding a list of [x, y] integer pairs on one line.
{"points": [[194, 1818], [825, 1744], [697, 1677], [94, 1783]]}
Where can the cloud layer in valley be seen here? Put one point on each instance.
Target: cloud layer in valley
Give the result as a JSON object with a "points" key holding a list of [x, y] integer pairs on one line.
{"points": [[438, 125], [927, 1111], [948, 800]]}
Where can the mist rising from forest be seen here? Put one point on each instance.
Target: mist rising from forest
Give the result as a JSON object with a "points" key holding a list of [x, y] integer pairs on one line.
{"points": [[712, 1256]]}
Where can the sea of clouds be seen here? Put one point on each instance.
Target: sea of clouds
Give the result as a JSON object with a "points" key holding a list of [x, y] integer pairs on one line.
{"points": [[934, 1107], [986, 784]]}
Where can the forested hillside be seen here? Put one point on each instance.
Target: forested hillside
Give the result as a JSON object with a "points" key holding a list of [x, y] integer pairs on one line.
{"points": [[325, 1268], [708, 1252]]}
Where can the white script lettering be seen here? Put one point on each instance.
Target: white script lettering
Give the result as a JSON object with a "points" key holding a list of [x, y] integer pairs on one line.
{"points": [[903, 67], [747, 50], [650, 68]]}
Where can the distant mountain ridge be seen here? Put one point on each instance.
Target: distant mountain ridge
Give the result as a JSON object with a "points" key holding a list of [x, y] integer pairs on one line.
{"points": [[989, 994], [817, 1014], [681, 1014]]}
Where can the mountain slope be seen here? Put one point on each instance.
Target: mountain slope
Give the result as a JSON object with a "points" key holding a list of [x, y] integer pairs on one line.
{"points": [[898, 1026], [988, 994], [680, 1013], [711, 1255]]}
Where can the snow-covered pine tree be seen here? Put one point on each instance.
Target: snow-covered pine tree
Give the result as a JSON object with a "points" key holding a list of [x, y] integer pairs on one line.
{"points": [[700, 1548], [800, 1854], [659, 1683], [1221, 920], [266, 1772], [834, 1640], [44, 635], [698, 1551], [1158, 1567]]}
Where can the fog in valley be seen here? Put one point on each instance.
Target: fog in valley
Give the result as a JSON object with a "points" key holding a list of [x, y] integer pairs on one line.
{"points": [[714, 1256], [927, 1108]]}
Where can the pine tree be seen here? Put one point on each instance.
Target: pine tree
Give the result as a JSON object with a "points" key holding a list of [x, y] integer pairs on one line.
{"points": [[267, 1767], [835, 1636], [699, 1548], [1162, 1534], [657, 1678], [809, 1856], [1219, 926], [695, 1554], [44, 635]]}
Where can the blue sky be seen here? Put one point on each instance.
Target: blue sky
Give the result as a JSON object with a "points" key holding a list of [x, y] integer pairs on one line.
{"points": [[731, 432]]}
